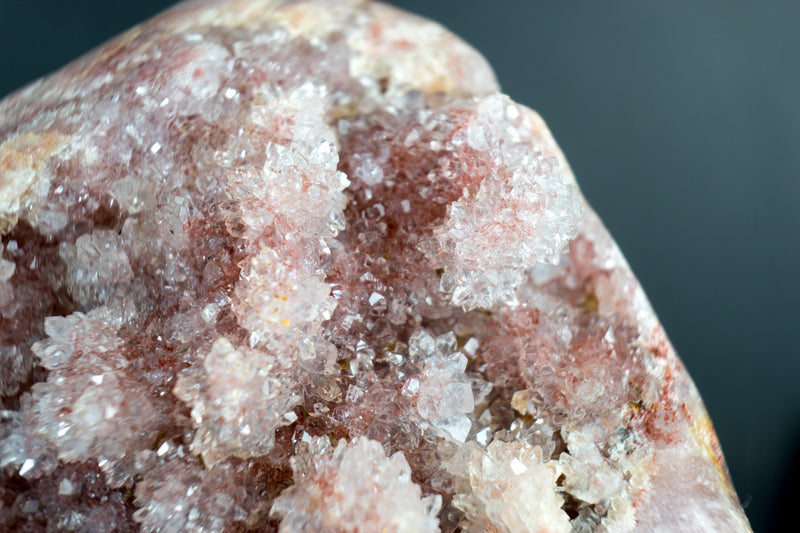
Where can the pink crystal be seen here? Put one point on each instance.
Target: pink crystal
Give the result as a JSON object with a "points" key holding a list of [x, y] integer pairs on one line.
{"points": [[351, 485], [298, 266]]}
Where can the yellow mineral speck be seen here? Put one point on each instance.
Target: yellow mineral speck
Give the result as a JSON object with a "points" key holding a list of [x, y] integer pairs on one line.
{"points": [[330, 390], [519, 401], [591, 303], [285, 322]]}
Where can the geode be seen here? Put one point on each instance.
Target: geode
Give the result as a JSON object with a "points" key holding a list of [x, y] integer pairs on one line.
{"points": [[299, 266]]}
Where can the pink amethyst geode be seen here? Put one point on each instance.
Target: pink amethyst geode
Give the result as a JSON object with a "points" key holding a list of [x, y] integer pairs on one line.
{"points": [[298, 266]]}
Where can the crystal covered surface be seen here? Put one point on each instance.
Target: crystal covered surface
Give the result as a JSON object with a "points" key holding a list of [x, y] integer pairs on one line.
{"points": [[298, 267]]}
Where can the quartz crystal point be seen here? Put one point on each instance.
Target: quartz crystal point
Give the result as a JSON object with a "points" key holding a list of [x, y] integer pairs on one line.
{"points": [[299, 266]]}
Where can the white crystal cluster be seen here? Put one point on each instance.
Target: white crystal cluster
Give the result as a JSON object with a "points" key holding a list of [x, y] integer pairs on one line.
{"points": [[84, 409], [590, 477], [238, 401], [338, 490], [289, 185], [442, 393], [276, 299], [511, 488], [289, 200], [524, 213], [96, 265], [181, 496], [291, 206]]}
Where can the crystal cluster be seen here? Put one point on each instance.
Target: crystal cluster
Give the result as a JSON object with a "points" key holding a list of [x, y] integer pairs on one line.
{"points": [[299, 266], [355, 483], [510, 487]]}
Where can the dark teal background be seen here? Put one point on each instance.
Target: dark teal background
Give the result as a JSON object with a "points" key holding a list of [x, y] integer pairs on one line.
{"points": [[681, 120]]}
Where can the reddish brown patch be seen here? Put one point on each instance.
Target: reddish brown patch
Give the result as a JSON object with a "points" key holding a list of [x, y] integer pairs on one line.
{"points": [[638, 498], [376, 31], [660, 347], [658, 420]]}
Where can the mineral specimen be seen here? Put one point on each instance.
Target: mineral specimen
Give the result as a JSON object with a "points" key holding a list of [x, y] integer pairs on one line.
{"points": [[298, 266]]}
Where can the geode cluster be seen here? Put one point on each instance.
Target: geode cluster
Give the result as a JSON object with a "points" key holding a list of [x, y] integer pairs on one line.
{"points": [[299, 266]]}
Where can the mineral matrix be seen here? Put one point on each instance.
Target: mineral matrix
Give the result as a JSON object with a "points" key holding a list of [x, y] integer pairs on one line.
{"points": [[299, 266]]}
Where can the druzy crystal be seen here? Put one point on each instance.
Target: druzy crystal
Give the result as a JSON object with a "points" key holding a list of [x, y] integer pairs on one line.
{"points": [[299, 266]]}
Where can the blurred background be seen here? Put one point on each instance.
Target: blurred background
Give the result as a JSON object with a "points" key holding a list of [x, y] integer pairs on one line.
{"points": [[681, 121]]}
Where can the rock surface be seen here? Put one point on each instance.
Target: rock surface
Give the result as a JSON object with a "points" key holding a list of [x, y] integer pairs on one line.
{"points": [[299, 266]]}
